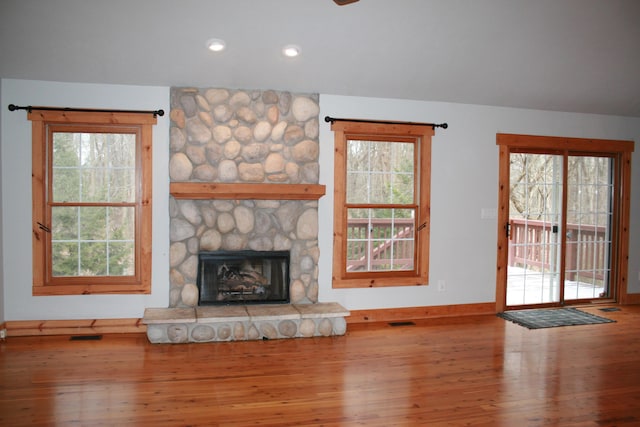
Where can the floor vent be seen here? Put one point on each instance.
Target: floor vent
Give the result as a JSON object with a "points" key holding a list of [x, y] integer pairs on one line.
{"points": [[85, 338], [401, 323]]}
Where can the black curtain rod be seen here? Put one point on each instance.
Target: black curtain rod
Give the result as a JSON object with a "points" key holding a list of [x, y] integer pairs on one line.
{"points": [[29, 108], [433, 125]]}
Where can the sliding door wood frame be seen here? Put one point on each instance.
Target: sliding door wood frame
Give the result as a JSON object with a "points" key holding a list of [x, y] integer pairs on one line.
{"points": [[617, 149]]}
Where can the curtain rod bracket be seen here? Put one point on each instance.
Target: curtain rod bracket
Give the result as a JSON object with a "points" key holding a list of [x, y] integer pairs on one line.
{"points": [[433, 125], [30, 108]]}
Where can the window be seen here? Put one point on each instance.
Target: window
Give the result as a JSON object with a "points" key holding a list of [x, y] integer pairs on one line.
{"points": [[381, 204], [91, 202]]}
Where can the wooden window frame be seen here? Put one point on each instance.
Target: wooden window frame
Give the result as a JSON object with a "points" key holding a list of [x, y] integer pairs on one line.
{"points": [[42, 123], [421, 134]]}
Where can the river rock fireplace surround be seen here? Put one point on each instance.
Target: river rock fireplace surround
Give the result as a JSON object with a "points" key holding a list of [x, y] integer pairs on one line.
{"points": [[244, 182]]}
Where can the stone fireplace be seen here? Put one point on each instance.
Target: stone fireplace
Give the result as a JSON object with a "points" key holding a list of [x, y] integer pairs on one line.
{"points": [[244, 178], [242, 139]]}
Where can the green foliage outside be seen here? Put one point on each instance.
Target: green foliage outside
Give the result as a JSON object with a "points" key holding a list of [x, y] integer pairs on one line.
{"points": [[98, 171], [379, 173]]}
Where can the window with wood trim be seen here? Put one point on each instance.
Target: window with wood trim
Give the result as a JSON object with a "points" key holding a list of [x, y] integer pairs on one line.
{"points": [[92, 187], [381, 204]]}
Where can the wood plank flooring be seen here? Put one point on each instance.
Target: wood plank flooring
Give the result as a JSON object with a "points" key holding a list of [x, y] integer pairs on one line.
{"points": [[470, 371]]}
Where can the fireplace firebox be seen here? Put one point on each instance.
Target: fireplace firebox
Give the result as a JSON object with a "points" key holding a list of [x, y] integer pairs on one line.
{"points": [[243, 277]]}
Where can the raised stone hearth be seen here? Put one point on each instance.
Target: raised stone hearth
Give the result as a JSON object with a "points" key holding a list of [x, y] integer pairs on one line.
{"points": [[244, 322]]}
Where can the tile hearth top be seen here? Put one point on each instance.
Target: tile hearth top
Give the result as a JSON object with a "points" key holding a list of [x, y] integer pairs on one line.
{"points": [[169, 315], [267, 312], [261, 312], [327, 309], [229, 313]]}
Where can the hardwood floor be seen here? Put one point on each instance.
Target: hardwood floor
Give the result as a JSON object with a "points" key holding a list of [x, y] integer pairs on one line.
{"points": [[471, 371]]}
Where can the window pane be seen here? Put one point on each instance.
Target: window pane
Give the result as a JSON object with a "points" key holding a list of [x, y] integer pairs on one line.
{"points": [[83, 245], [121, 259], [357, 184], [122, 186], [380, 239], [93, 223], [72, 259], [380, 172], [93, 259], [402, 188], [65, 259], [66, 149], [122, 151], [121, 223], [94, 167], [92, 149], [94, 185], [357, 156], [64, 223], [356, 255], [379, 188], [66, 184]]}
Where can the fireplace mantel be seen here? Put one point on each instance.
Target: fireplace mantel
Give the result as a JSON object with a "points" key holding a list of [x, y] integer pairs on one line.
{"points": [[234, 191]]}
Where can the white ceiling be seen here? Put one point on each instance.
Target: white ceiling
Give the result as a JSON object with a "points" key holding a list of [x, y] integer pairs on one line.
{"points": [[565, 55]]}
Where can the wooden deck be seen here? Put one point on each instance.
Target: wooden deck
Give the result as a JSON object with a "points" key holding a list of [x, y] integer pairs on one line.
{"points": [[526, 287], [470, 371]]}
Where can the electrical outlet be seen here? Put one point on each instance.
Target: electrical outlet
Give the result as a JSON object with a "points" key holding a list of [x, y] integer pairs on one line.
{"points": [[3, 334], [441, 285]]}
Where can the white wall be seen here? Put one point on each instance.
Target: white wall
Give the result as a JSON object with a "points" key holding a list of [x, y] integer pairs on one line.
{"points": [[464, 180], [2, 316], [19, 304]]}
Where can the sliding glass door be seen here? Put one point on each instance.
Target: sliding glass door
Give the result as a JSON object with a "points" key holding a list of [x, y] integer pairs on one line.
{"points": [[587, 267], [561, 211], [535, 221]]}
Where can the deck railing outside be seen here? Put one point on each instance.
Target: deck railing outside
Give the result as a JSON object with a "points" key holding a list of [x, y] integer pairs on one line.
{"points": [[532, 241], [391, 248], [587, 247]]}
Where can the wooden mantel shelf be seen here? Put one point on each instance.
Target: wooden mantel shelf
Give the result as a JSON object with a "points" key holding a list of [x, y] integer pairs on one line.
{"points": [[233, 191]]}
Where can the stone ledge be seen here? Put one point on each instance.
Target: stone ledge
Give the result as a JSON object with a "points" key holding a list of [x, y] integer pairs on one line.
{"points": [[168, 315], [262, 312], [321, 310], [244, 322], [230, 313]]}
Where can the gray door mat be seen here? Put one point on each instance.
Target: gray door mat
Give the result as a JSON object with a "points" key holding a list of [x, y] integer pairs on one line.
{"points": [[552, 318]]}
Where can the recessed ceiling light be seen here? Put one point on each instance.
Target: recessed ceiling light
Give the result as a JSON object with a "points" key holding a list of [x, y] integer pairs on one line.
{"points": [[291, 50], [216, 45]]}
